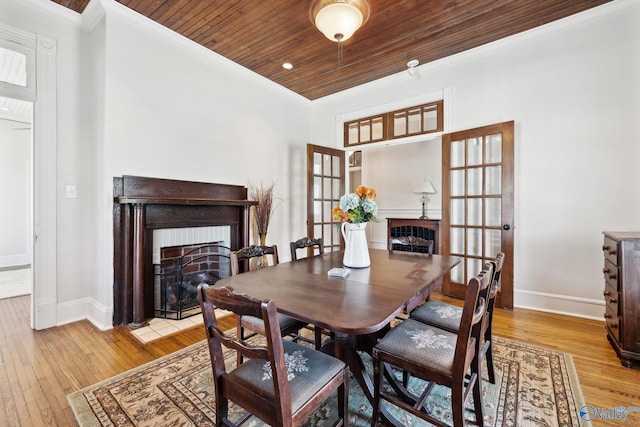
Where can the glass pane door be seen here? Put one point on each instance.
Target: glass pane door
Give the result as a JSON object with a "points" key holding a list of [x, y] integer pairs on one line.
{"points": [[478, 204], [325, 185]]}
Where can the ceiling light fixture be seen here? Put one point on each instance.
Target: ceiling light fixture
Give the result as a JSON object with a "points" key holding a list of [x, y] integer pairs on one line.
{"points": [[287, 66], [411, 67], [339, 19]]}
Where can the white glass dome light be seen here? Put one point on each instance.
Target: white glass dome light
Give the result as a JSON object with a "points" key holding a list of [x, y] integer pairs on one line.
{"points": [[338, 20]]}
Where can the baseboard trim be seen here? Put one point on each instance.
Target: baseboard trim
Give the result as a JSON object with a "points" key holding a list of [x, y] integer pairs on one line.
{"points": [[18, 261], [98, 314], [559, 304]]}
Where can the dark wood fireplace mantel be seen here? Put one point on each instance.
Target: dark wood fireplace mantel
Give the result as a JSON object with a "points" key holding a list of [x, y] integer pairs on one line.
{"points": [[144, 204]]}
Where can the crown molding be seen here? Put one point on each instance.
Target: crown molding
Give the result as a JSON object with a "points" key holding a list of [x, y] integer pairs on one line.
{"points": [[52, 9], [92, 15]]}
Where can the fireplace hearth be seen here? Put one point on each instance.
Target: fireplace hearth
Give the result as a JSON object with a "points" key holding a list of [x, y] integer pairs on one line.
{"points": [[143, 204]]}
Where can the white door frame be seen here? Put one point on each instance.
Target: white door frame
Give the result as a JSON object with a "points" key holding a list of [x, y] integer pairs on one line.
{"points": [[44, 298]]}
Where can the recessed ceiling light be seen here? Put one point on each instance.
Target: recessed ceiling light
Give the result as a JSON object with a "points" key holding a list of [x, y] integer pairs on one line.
{"points": [[287, 65]]}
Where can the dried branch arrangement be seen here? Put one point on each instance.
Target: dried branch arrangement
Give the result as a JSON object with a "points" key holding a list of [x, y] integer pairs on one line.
{"points": [[264, 195]]}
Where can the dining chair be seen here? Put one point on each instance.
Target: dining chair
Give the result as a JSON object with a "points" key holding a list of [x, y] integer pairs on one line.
{"points": [[408, 244], [312, 246], [281, 382], [412, 244], [437, 356], [309, 244], [447, 316], [252, 258]]}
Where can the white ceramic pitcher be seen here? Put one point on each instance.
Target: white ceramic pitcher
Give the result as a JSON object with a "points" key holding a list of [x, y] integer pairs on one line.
{"points": [[356, 249]]}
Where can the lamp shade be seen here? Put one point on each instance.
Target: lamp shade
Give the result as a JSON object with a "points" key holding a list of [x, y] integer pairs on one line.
{"points": [[425, 187], [339, 19]]}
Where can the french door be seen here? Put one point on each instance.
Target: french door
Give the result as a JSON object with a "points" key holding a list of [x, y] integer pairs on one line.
{"points": [[325, 186], [477, 205]]}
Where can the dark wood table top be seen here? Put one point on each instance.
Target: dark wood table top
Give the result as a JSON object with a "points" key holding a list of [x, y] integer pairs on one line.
{"points": [[361, 303]]}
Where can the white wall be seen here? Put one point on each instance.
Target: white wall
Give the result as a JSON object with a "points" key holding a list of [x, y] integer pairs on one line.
{"points": [[94, 299], [573, 89], [395, 172], [15, 193]]}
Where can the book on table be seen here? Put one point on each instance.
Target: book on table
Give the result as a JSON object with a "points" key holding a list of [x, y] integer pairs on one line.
{"points": [[339, 272]]}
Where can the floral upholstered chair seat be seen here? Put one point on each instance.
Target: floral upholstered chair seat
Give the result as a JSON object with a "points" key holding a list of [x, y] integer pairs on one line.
{"points": [[440, 314], [307, 371], [422, 344]]}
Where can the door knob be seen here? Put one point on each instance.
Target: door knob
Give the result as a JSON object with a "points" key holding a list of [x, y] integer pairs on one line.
{"points": [[506, 227]]}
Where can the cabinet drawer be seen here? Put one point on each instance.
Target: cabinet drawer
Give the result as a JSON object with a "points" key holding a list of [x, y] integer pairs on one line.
{"points": [[610, 249], [613, 323], [611, 298], [611, 275]]}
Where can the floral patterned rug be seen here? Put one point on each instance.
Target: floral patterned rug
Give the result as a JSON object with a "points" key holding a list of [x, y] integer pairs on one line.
{"points": [[534, 387]]}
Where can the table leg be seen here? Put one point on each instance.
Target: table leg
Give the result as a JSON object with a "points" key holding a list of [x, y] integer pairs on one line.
{"points": [[344, 349]]}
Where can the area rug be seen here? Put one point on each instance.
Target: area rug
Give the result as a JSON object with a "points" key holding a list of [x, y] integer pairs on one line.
{"points": [[534, 387]]}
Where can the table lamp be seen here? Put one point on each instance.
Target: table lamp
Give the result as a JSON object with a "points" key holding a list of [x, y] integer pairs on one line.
{"points": [[425, 187]]}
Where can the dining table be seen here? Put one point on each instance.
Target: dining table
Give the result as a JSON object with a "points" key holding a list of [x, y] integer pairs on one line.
{"points": [[357, 308]]}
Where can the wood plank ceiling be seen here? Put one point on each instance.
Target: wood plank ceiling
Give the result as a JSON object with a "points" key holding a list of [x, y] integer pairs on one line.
{"points": [[263, 34]]}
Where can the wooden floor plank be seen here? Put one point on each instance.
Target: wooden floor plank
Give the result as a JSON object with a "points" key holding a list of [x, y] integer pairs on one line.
{"points": [[39, 368]]}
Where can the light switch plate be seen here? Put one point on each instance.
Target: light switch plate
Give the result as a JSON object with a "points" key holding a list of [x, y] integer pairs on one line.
{"points": [[71, 191]]}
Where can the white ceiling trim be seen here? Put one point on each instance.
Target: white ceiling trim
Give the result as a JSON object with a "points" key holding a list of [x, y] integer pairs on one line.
{"points": [[92, 15], [54, 10]]}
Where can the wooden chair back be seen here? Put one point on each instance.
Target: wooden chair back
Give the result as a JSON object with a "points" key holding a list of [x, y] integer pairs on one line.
{"points": [[498, 262], [487, 332], [496, 266], [248, 259], [474, 311], [227, 386], [241, 260], [311, 244], [271, 406], [411, 243], [457, 368]]}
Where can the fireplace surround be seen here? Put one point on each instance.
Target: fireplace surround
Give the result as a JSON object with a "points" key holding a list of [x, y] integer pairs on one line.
{"points": [[142, 204]]}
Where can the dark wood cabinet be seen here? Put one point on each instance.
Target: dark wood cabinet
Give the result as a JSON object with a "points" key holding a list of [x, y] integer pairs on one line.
{"points": [[622, 293], [428, 229]]}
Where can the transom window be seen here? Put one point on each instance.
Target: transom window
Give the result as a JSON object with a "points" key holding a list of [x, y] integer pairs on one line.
{"points": [[13, 67], [417, 120]]}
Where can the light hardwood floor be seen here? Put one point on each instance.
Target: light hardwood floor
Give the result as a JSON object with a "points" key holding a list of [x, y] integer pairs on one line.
{"points": [[39, 368]]}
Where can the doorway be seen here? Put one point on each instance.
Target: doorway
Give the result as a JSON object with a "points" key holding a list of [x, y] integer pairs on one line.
{"points": [[477, 205], [16, 158], [29, 48], [325, 186]]}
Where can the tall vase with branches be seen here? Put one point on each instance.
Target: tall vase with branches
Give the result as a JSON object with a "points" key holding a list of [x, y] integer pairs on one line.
{"points": [[264, 195]]}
